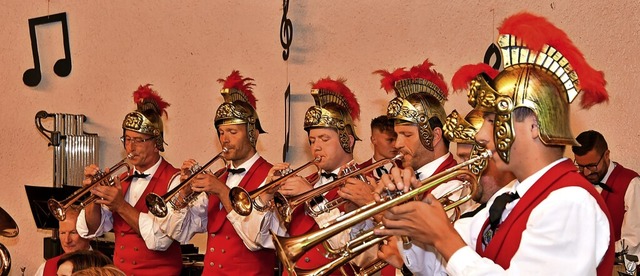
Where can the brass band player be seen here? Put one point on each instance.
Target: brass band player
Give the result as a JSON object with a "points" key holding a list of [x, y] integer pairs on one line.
{"points": [[140, 247], [236, 245], [331, 133], [552, 216]]}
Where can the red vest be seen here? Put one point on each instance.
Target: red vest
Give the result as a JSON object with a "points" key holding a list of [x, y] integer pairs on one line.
{"points": [[301, 223], [226, 253], [51, 266], [619, 182], [449, 162], [131, 254], [506, 240]]}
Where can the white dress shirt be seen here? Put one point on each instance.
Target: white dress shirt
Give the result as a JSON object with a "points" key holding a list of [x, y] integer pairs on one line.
{"points": [[567, 233], [154, 239]]}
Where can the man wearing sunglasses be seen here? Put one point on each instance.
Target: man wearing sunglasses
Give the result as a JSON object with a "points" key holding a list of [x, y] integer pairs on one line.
{"points": [[619, 186]]}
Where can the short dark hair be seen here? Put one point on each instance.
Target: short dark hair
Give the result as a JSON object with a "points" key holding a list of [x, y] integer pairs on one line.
{"points": [[82, 259], [435, 122], [383, 124], [589, 140]]}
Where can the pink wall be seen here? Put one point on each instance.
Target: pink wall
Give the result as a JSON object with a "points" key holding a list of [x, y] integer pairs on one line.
{"points": [[182, 47]]}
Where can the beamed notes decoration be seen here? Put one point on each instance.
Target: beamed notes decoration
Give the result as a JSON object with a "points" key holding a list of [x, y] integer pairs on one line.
{"points": [[286, 37], [62, 67]]}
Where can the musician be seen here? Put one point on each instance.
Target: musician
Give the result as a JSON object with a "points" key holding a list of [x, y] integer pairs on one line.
{"points": [[619, 186], [235, 244], [70, 241], [331, 133], [140, 247], [552, 216], [383, 139], [418, 115], [491, 183]]}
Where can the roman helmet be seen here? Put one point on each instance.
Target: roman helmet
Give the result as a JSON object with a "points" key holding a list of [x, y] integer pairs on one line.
{"points": [[239, 106], [335, 107]]}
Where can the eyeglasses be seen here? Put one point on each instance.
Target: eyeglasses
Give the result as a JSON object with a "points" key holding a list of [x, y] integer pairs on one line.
{"points": [[135, 140], [590, 167]]}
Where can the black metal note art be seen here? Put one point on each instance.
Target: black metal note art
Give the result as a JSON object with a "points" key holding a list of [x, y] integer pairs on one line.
{"points": [[493, 51], [286, 30], [62, 67]]}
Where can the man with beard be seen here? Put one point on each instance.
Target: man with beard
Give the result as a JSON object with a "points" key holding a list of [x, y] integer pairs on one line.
{"points": [[619, 186]]}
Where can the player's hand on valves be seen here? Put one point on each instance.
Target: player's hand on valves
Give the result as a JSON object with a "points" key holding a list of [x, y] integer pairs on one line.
{"points": [[295, 185], [396, 180], [357, 191], [208, 183], [110, 196]]}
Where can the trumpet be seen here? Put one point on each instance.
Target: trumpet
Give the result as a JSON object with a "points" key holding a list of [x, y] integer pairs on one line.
{"points": [[244, 202], [176, 197], [290, 249], [286, 206], [59, 208]]}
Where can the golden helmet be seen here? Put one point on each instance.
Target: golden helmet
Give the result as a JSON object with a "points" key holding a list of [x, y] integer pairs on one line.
{"points": [[147, 118], [544, 72], [463, 131], [335, 107], [420, 96], [239, 106]]}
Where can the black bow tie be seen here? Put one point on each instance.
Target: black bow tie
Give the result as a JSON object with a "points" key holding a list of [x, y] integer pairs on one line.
{"points": [[381, 170], [235, 171], [137, 174], [418, 175], [604, 187], [327, 175], [498, 206]]}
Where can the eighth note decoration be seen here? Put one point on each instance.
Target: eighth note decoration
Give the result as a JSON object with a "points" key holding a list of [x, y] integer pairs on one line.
{"points": [[62, 67]]}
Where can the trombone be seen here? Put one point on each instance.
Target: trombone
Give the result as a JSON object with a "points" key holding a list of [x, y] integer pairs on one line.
{"points": [[176, 197], [285, 206], [244, 202], [59, 208], [290, 249]]}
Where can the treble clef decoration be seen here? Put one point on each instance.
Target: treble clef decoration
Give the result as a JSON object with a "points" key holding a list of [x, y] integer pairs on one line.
{"points": [[286, 30]]}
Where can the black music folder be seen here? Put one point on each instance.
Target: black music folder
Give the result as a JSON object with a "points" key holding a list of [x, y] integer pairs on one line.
{"points": [[38, 197]]}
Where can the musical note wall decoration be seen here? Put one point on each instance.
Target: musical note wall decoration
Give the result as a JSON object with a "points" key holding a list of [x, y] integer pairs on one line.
{"points": [[62, 67], [286, 30], [493, 51], [287, 122]]}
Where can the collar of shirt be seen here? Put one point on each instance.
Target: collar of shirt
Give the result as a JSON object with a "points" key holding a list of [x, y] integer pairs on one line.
{"points": [[233, 180], [431, 167], [324, 180], [612, 165], [523, 187], [139, 184], [387, 166]]}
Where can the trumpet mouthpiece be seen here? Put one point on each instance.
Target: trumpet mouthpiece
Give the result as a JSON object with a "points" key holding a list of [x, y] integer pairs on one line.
{"points": [[224, 150], [130, 155]]}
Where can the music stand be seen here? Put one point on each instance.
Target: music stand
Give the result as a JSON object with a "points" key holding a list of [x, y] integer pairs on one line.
{"points": [[38, 197]]}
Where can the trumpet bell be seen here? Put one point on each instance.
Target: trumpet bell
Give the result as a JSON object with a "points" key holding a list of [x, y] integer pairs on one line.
{"points": [[5, 261], [57, 209], [241, 201], [156, 205]]}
